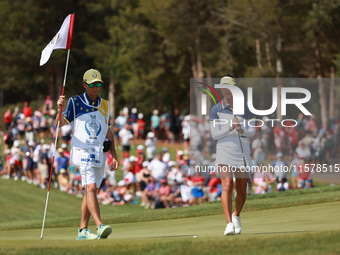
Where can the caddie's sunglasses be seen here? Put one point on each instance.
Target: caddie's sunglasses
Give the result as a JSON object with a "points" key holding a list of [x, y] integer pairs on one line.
{"points": [[91, 85]]}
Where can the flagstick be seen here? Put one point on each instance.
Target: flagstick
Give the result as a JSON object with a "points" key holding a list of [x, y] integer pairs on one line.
{"points": [[55, 146]]}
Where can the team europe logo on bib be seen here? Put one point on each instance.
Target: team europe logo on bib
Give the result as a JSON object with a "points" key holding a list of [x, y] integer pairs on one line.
{"points": [[93, 127]]}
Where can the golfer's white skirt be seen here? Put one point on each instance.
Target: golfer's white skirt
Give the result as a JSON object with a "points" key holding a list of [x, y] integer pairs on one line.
{"points": [[90, 174], [228, 151]]}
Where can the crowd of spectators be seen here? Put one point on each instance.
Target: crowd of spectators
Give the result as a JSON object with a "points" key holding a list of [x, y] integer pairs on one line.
{"points": [[286, 151], [154, 177], [150, 175]]}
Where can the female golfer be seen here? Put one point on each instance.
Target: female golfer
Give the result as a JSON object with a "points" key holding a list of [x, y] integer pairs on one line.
{"points": [[224, 126]]}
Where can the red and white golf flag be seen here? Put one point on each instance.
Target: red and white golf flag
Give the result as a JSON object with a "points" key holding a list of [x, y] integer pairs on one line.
{"points": [[62, 40]]}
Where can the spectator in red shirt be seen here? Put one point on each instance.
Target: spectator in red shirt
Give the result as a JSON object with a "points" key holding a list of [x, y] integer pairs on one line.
{"points": [[140, 158], [213, 186], [293, 138], [8, 118], [312, 125], [279, 136], [66, 153], [141, 125], [197, 181], [27, 111], [129, 176], [303, 179]]}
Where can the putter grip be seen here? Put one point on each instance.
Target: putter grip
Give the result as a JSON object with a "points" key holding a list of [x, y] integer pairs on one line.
{"points": [[247, 173]]}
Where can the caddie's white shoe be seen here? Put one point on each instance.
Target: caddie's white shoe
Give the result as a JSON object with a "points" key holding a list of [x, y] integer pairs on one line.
{"points": [[103, 231], [85, 234], [237, 223], [230, 229]]}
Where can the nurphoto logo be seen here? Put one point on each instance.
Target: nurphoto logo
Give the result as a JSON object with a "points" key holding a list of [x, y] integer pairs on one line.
{"points": [[280, 97], [238, 99]]}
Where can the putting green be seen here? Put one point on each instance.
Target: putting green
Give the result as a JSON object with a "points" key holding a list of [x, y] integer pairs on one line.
{"points": [[305, 229], [307, 218]]}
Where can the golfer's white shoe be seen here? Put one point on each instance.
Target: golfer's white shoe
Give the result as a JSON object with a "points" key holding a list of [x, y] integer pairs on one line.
{"points": [[230, 229], [237, 223]]}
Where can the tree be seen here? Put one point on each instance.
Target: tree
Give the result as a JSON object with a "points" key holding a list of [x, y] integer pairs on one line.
{"points": [[323, 23]]}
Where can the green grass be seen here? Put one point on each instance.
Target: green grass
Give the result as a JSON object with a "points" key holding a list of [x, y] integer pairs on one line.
{"points": [[294, 243], [25, 205], [300, 230], [297, 221]]}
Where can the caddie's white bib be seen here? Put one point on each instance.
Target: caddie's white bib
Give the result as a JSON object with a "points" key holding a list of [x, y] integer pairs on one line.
{"points": [[90, 126]]}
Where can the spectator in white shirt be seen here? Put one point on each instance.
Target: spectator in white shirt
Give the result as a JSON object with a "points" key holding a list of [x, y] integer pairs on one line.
{"points": [[125, 136], [166, 156], [186, 192], [158, 168], [150, 145]]}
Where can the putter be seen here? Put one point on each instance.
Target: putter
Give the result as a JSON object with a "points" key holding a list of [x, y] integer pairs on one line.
{"points": [[244, 158]]}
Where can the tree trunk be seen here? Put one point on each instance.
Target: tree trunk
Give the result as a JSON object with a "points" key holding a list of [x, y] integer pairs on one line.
{"points": [[112, 97], [258, 54], [197, 68], [1, 98], [322, 88], [332, 94], [279, 70], [209, 81], [198, 75], [197, 71], [55, 81], [323, 102], [269, 61]]}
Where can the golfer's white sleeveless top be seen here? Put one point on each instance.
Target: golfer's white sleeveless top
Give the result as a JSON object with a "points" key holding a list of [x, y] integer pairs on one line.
{"points": [[228, 149], [89, 121]]}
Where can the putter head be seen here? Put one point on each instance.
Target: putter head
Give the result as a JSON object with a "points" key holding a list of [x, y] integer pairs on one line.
{"points": [[249, 182]]}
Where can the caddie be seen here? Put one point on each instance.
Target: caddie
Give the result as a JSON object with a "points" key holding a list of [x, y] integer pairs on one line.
{"points": [[92, 137]]}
